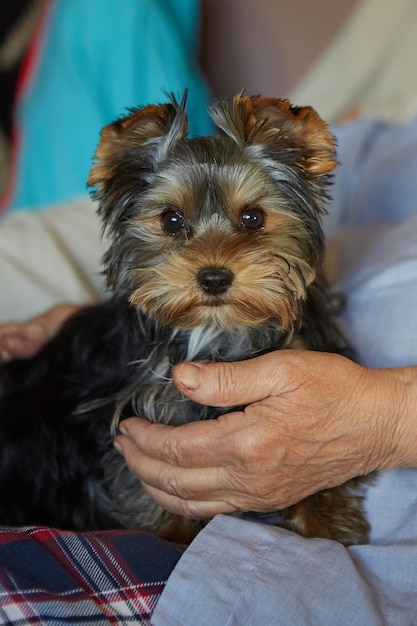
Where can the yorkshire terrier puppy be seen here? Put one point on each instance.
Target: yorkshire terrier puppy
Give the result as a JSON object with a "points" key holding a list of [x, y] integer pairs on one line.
{"points": [[215, 254]]}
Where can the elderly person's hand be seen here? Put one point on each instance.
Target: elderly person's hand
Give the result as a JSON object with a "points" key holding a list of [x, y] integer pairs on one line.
{"points": [[24, 339], [313, 421]]}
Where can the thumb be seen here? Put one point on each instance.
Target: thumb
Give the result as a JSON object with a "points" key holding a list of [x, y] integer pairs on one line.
{"points": [[231, 384]]}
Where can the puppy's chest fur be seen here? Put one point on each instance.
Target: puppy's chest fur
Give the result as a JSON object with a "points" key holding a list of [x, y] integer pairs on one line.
{"points": [[108, 362], [152, 393], [149, 392]]}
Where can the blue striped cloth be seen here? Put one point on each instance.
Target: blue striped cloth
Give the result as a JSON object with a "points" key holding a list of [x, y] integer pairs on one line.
{"points": [[49, 576]]}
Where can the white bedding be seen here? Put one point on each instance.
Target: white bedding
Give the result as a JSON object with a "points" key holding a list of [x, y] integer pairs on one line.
{"points": [[49, 256]]}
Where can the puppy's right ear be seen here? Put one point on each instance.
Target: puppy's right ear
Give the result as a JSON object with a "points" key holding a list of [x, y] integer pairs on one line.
{"points": [[146, 135]]}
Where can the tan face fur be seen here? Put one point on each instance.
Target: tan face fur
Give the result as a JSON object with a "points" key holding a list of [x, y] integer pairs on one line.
{"points": [[244, 209]]}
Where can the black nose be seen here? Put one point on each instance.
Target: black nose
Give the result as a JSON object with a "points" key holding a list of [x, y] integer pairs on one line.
{"points": [[215, 280]]}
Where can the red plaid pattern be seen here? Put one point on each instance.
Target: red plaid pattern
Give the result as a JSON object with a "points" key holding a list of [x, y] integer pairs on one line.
{"points": [[49, 576]]}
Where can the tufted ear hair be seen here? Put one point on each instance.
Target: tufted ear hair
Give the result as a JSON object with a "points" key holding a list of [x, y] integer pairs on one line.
{"points": [[297, 135], [147, 133]]}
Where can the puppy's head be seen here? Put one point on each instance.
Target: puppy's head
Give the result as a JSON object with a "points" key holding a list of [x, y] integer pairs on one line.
{"points": [[215, 230]]}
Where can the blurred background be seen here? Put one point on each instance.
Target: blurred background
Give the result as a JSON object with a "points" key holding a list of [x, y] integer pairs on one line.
{"points": [[69, 67], [261, 47], [266, 46]]}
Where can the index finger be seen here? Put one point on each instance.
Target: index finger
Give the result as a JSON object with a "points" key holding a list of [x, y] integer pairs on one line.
{"points": [[195, 444]]}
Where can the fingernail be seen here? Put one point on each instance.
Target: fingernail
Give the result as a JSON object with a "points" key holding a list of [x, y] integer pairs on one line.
{"points": [[118, 446], [189, 375], [123, 429]]}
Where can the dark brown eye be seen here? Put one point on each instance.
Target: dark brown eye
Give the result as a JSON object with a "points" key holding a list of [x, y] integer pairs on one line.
{"points": [[173, 222], [252, 219]]}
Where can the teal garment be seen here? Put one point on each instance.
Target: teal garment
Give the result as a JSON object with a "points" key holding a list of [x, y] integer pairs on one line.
{"points": [[98, 59]]}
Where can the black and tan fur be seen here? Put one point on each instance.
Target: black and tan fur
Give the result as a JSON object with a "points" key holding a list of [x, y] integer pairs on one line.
{"points": [[215, 254]]}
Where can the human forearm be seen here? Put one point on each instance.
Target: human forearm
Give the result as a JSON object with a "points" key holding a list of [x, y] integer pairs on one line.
{"points": [[397, 402]]}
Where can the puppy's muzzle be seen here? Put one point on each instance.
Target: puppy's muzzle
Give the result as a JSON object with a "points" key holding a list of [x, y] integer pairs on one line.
{"points": [[215, 281]]}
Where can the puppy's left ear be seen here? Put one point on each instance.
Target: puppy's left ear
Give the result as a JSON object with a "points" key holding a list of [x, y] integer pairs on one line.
{"points": [[144, 136], [296, 134]]}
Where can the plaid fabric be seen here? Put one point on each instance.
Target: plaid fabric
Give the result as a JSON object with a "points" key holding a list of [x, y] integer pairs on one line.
{"points": [[60, 577]]}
